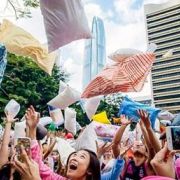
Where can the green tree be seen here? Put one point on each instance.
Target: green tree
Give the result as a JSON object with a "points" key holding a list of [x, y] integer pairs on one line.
{"points": [[25, 82]]}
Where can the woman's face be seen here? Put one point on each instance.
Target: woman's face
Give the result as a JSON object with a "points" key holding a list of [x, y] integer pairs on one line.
{"points": [[139, 153], [108, 154], [55, 155], [78, 165]]}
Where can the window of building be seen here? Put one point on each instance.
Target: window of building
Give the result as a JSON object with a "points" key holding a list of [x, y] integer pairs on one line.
{"points": [[164, 31], [165, 75], [167, 97], [162, 12], [167, 82], [162, 18], [168, 104], [167, 61], [166, 68], [167, 89]]}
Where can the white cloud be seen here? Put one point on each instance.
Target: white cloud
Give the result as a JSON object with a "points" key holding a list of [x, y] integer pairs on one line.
{"points": [[76, 78], [125, 13]]}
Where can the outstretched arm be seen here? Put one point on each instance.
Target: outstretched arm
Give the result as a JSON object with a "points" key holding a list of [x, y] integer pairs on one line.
{"points": [[4, 153], [118, 136], [152, 136], [51, 146], [163, 163], [149, 147]]}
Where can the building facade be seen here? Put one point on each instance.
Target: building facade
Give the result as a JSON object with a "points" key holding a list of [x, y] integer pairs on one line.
{"points": [[163, 28], [94, 52]]}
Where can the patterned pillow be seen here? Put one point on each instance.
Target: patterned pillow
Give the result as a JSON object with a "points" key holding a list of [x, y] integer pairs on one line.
{"points": [[126, 76]]}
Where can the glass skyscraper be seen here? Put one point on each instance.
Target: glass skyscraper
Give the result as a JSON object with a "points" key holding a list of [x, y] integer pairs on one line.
{"points": [[163, 28], [94, 52]]}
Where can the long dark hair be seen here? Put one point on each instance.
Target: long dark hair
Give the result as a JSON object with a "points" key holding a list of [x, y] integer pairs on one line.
{"points": [[5, 173], [94, 166]]}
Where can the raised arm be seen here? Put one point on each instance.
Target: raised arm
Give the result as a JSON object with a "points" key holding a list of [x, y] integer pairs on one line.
{"points": [[118, 136], [152, 136], [149, 147], [32, 119], [163, 163], [50, 148], [4, 153]]}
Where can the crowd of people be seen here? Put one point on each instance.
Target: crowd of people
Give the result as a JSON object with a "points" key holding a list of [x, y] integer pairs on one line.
{"points": [[147, 159]]}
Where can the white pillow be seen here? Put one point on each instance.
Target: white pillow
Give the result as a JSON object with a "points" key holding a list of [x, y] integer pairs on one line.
{"points": [[19, 129], [121, 54], [91, 106], [65, 21], [45, 120], [165, 115], [57, 116], [12, 108], [64, 149], [65, 99], [87, 140], [70, 120], [62, 86]]}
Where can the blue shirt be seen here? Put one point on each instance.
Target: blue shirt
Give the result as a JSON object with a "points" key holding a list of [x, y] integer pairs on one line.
{"points": [[116, 170]]}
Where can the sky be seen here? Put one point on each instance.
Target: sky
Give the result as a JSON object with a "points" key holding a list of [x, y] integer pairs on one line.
{"points": [[124, 28]]}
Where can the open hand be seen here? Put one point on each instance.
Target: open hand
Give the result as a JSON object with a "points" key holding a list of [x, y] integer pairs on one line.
{"points": [[32, 117], [101, 149], [163, 163], [9, 118], [144, 118], [125, 120], [28, 169]]}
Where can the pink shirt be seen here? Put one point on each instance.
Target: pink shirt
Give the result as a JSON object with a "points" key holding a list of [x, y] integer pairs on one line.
{"points": [[156, 178], [46, 173], [177, 168]]}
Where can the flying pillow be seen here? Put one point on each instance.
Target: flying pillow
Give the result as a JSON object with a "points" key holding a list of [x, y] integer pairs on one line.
{"points": [[101, 117], [126, 76], [121, 54], [45, 120], [165, 115], [90, 106], [12, 108], [70, 120], [62, 86], [64, 21], [105, 130], [87, 140], [129, 108], [20, 42], [64, 149], [65, 99], [57, 116]]}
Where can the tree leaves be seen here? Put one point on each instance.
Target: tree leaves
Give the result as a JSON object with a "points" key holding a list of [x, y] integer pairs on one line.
{"points": [[25, 82]]}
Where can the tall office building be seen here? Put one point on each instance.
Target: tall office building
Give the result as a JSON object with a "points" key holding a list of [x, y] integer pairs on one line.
{"points": [[94, 52], [163, 28]]}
